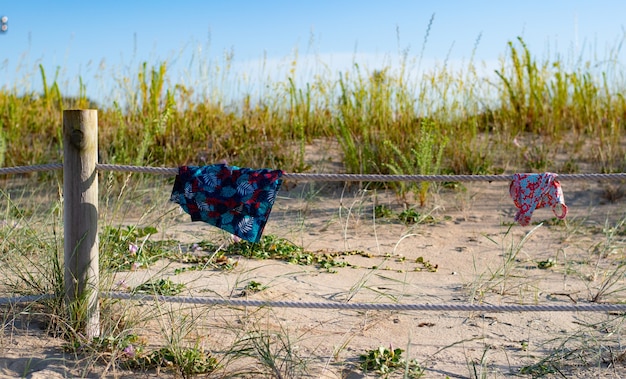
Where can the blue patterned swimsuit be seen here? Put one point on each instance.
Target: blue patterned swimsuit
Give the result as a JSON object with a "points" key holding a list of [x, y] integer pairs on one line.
{"points": [[237, 200]]}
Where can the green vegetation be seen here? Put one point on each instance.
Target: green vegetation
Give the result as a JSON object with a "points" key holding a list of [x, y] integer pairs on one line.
{"points": [[161, 286], [187, 362], [129, 248], [385, 360], [385, 120], [132, 353]]}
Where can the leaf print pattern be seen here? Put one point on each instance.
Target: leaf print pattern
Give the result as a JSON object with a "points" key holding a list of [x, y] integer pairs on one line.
{"points": [[246, 225], [188, 191], [245, 189], [210, 180], [204, 207], [271, 195], [237, 200]]}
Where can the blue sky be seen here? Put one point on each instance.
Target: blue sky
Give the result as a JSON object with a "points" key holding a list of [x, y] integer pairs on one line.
{"points": [[104, 41]]}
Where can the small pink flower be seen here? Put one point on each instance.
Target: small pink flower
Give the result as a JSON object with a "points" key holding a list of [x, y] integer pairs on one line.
{"points": [[135, 266], [129, 351], [133, 249]]}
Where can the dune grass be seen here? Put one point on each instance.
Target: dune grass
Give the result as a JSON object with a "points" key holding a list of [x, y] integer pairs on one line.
{"points": [[519, 116]]}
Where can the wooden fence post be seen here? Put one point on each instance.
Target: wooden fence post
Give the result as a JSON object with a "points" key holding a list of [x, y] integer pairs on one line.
{"points": [[80, 218]]}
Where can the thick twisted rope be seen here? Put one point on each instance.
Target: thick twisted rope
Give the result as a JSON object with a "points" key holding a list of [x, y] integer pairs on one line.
{"points": [[24, 299], [374, 306], [437, 178], [29, 169], [138, 169], [323, 177], [597, 307], [372, 177]]}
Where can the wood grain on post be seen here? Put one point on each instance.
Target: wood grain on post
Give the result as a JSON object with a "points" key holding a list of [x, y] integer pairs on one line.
{"points": [[80, 217]]}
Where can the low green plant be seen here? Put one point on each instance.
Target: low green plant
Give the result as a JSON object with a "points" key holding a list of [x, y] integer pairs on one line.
{"points": [[129, 248], [540, 369], [165, 287], [384, 361], [273, 247], [270, 247], [545, 264], [382, 211], [412, 216], [253, 287], [188, 362], [426, 265], [108, 347], [129, 351]]}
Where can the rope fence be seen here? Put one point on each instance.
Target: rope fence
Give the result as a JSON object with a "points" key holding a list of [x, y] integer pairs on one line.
{"points": [[172, 171], [80, 162], [575, 307], [333, 305], [24, 299], [374, 306]]}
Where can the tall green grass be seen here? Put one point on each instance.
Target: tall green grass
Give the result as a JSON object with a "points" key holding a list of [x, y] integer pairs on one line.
{"points": [[517, 117]]}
